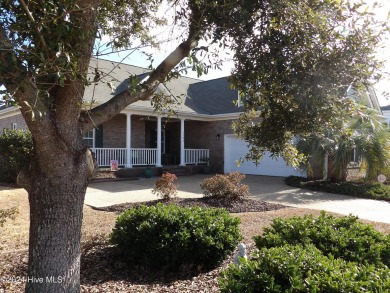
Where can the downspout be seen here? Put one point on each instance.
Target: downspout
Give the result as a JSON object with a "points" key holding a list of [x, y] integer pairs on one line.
{"points": [[326, 166]]}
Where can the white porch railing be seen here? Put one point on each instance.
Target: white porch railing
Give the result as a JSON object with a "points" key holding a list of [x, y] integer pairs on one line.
{"points": [[105, 155], [144, 157], [139, 156], [196, 156]]}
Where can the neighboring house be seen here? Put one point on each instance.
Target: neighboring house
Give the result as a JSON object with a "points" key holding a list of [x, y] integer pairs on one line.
{"points": [[199, 131], [386, 113]]}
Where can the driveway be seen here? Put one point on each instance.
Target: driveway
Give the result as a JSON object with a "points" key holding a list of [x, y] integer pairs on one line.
{"points": [[270, 189]]}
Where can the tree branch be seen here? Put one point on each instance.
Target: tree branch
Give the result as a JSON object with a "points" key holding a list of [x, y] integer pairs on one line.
{"points": [[37, 30], [116, 104]]}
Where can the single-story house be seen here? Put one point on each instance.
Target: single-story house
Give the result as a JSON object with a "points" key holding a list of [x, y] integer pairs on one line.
{"points": [[199, 132]]}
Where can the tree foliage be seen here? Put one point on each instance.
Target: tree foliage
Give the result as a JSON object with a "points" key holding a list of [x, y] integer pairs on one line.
{"points": [[294, 63]]}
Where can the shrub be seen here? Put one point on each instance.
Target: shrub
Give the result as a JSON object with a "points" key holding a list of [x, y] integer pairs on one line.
{"points": [[344, 237], [7, 214], [225, 186], [170, 237], [302, 269], [165, 186], [358, 189], [15, 151]]}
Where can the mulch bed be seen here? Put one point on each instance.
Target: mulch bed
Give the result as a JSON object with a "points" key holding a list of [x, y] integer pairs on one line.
{"points": [[239, 205], [103, 271]]}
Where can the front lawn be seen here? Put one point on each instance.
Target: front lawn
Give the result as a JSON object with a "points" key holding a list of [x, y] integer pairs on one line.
{"points": [[101, 269], [358, 189]]}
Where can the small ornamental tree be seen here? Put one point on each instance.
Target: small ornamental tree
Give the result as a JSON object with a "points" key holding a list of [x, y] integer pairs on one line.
{"points": [[165, 186]]}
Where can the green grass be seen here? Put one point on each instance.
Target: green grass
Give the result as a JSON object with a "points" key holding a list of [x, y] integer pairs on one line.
{"points": [[358, 189]]}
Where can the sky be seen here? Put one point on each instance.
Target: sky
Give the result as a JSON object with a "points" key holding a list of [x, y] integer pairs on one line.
{"points": [[139, 59]]}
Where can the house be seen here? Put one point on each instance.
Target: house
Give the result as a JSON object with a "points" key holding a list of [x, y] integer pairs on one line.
{"points": [[386, 113], [199, 131]]}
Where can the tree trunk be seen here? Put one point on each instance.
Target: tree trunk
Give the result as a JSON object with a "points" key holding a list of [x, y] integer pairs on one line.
{"points": [[56, 213]]}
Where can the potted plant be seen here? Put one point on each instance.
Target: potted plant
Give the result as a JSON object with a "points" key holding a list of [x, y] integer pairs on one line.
{"points": [[148, 172], [206, 169]]}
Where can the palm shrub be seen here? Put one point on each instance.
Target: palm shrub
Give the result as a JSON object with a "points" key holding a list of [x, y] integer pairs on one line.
{"points": [[364, 135], [171, 237], [16, 147]]}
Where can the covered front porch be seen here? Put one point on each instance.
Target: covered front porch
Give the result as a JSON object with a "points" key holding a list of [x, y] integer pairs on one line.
{"points": [[139, 140]]}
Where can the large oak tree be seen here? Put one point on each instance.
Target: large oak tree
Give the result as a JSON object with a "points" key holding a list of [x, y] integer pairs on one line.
{"points": [[293, 61]]}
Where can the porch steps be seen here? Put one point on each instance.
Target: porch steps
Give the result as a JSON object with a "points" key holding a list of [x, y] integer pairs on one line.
{"points": [[179, 170]]}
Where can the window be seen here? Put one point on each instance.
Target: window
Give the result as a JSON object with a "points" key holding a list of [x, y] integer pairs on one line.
{"points": [[89, 138], [14, 126]]}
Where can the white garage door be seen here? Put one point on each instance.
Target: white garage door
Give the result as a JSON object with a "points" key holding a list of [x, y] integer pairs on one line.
{"points": [[236, 149]]}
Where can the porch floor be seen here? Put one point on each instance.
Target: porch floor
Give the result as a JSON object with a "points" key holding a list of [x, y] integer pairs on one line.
{"points": [[139, 171]]}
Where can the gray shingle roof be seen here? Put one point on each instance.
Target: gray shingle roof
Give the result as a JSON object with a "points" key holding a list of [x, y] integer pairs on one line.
{"points": [[197, 97]]}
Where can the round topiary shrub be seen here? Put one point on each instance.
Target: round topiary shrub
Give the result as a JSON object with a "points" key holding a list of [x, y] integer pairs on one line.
{"points": [[302, 269], [170, 237], [343, 237]]}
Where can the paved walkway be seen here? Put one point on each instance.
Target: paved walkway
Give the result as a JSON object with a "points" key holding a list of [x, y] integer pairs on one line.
{"points": [[270, 189]]}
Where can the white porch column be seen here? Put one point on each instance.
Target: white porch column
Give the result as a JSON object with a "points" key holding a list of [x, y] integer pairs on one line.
{"points": [[128, 141], [182, 151], [158, 163]]}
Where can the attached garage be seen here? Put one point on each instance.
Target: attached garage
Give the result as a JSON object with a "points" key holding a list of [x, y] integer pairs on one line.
{"points": [[235, 149]]}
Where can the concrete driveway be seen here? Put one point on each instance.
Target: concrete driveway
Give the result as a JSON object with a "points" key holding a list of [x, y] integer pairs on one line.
{"points": [[270, 189]]}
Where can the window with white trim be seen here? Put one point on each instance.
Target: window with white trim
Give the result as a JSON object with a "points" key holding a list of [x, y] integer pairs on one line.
{"points": [[89, 138], [14, 126]]}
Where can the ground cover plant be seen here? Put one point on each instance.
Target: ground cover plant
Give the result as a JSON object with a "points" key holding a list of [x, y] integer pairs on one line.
{"points": [[373, 190], [7, 214], [170, 237], [314, 254]]}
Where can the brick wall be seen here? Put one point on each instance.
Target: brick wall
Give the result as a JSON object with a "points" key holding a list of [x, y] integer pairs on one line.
{"points": [[137, 131], [199, 134], [7, 122]]}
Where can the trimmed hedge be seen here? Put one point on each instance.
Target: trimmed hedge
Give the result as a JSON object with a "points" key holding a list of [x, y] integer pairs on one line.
{"points": [[344, 237], [374, 190], [308, 254], [170, 237], [302, 269]]}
